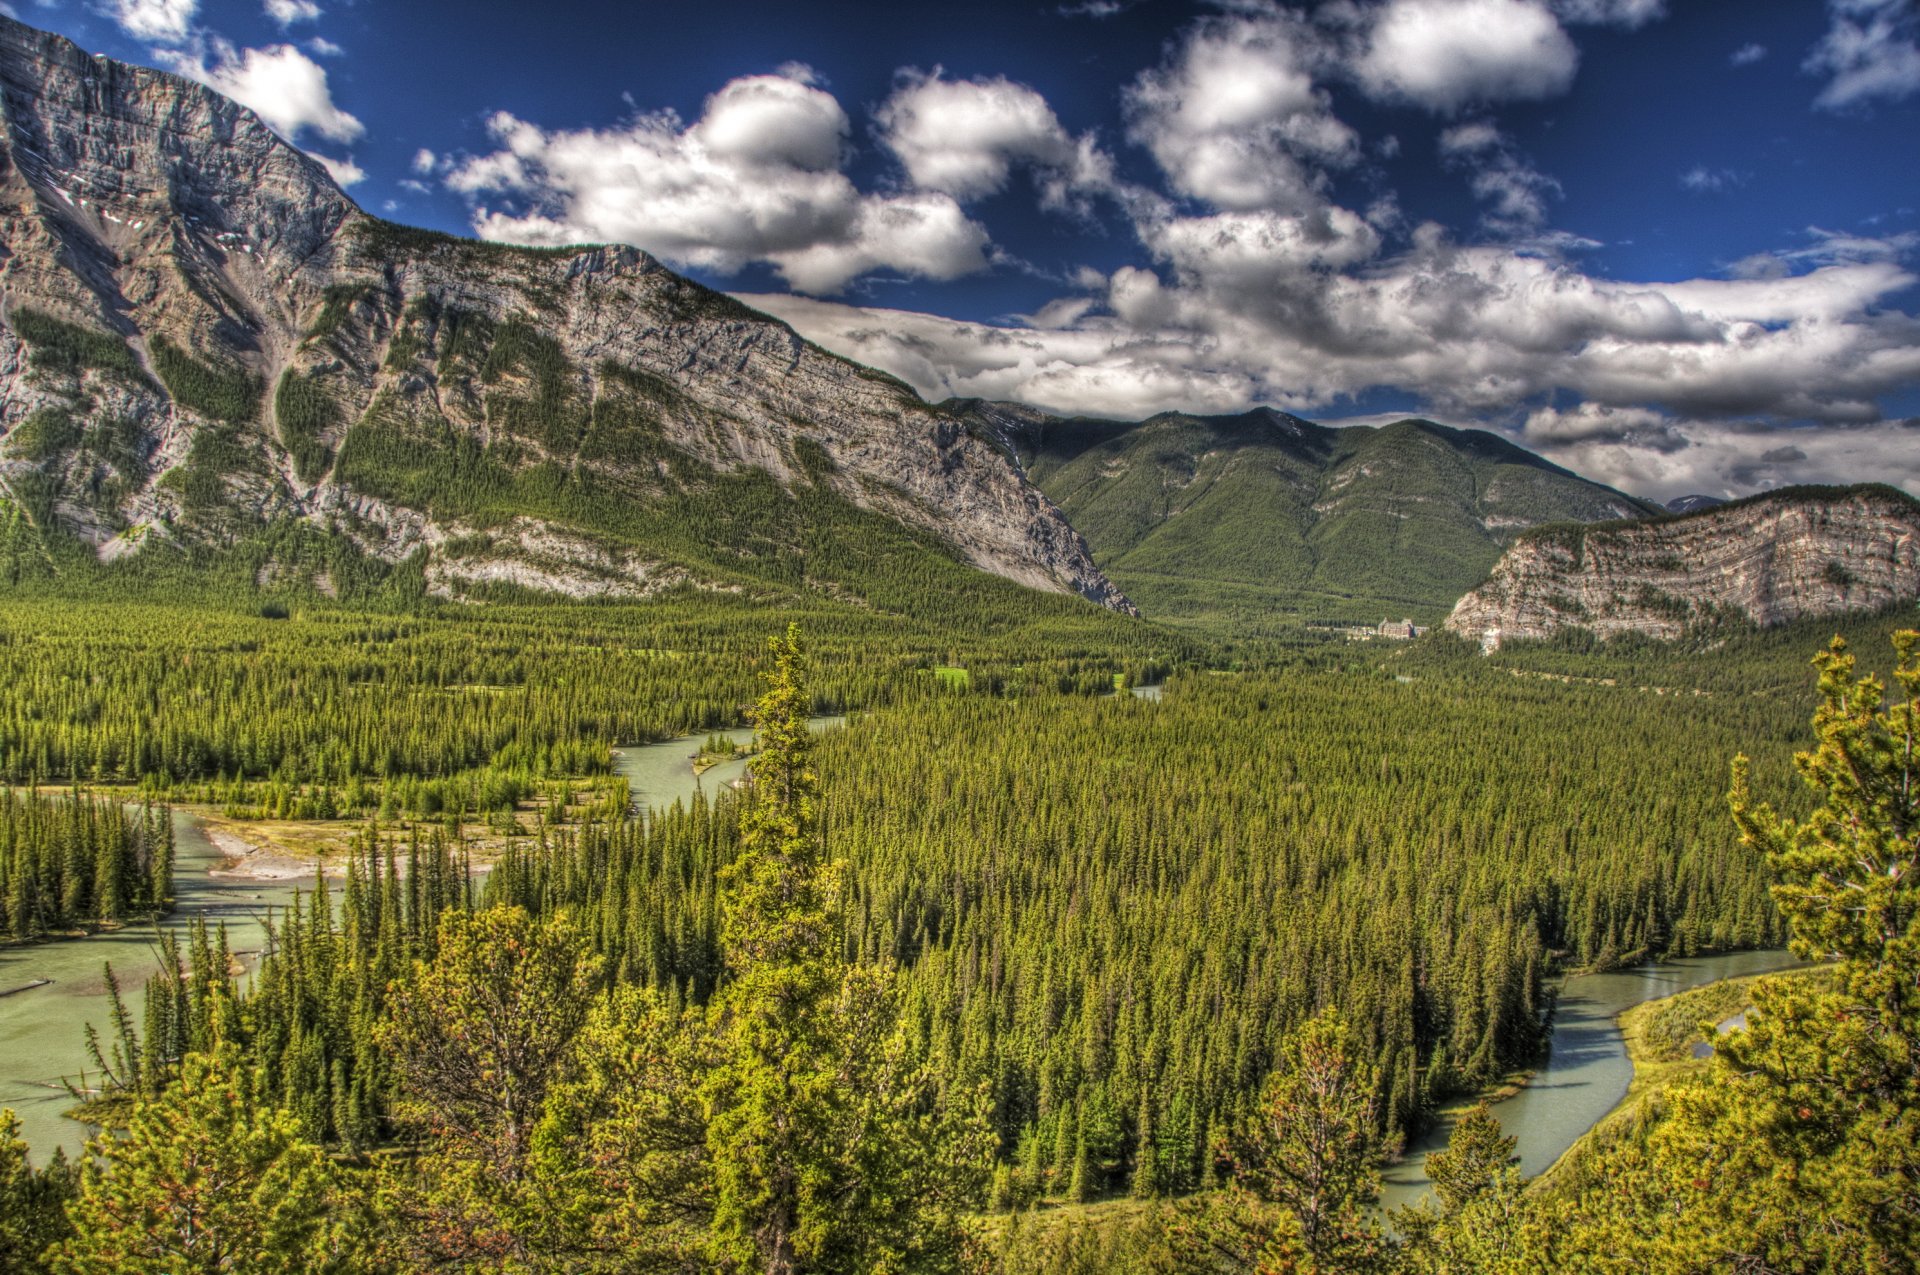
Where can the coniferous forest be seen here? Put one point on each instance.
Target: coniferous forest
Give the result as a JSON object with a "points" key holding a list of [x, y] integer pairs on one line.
{"points": [[1010, 973], [515, 760]]}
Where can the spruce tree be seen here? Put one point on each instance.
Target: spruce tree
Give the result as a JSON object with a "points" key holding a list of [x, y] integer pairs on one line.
{"points": [[31, 1202], [832, 1146]]}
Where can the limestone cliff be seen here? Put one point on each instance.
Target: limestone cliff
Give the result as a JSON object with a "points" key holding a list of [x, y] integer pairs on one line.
{"points": [[1797, 552], [202, 336]]}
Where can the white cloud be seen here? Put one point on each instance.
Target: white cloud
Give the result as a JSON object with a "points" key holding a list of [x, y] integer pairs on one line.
{"points": [[165, 21], [425, 161], [1871, 50], [1704, 180], [1642, 427], [963, 137], [1446, 54], [288, 12], [1631, 14], [756, 178], [343, 171], [1254, 310], [1677, 457], [324, 47], [280, 84], [1236, 119], [1514, 191], [1747, 54]]}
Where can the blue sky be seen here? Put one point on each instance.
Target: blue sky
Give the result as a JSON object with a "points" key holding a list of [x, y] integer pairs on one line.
{"points": [[1669, 244]]}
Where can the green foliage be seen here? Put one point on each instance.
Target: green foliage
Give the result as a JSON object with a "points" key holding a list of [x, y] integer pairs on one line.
{"points": [[211, 1177], [69, 349], [1482, 1223], [1476, 1156], [1311, 1145], [476, 1038], [832, 1148], [227, 394], [71, 862], [1249, 522], [45, 434], [305, 412], [337, 308], [32, 1202], [1796, 1151], [1425, 887]]}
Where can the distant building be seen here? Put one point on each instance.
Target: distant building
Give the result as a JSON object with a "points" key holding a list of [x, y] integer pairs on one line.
{"points": [[1402, 629]]}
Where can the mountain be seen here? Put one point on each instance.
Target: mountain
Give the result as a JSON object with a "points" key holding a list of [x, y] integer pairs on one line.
{"points": [[207, 345], [1236, 519], [1788, 554], [1692, 504]]}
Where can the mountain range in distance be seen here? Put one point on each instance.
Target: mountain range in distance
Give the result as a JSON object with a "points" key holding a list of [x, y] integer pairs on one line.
{"points": [[210, 354], [1233, 521]]}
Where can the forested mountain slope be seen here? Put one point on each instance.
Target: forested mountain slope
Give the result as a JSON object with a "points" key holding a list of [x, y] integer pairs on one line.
{"points": [[1227, 518], [203, 337], [1785, 555]]}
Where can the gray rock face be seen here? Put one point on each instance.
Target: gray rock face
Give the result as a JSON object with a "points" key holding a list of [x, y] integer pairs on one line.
{"points": [[1787, 555], [142, 208]]}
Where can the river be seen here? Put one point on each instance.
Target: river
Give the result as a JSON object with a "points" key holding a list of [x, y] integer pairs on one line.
{"points": [[1585, 1075], [42, 1029], [1587, 1071]]}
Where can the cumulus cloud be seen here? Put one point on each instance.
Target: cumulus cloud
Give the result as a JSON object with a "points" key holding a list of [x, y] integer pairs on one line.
{"points": [[1446, 54], [757, 177], [1093, 368], [343, 171], [1514, 191], [288, 12], [1735, 458], [1235, 117], [964, 137], [280, 84], [1871, 51], [165, 21], [1747, 54], [1547, 428], [1249, 309], [1631, 14]]}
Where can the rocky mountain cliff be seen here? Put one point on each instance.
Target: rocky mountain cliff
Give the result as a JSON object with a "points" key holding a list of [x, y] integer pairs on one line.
{"points": [[1242, 520], [1800, 551], [203, 338]]}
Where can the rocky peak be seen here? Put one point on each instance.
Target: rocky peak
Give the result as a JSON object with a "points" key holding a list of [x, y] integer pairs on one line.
{"points": [[208, 337], [1805, 551]]}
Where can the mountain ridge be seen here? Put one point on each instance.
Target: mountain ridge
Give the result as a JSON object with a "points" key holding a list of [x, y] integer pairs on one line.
{"points": [[1263, 513], [1765, 559], [207, 337]]}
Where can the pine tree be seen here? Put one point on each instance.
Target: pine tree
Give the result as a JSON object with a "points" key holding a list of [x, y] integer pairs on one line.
{"points": [[210, 1177], [1798, 1149], [31, 1202], [1305, 1180], [477, 1037], [1476, 1154], [1481, 1223]]}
